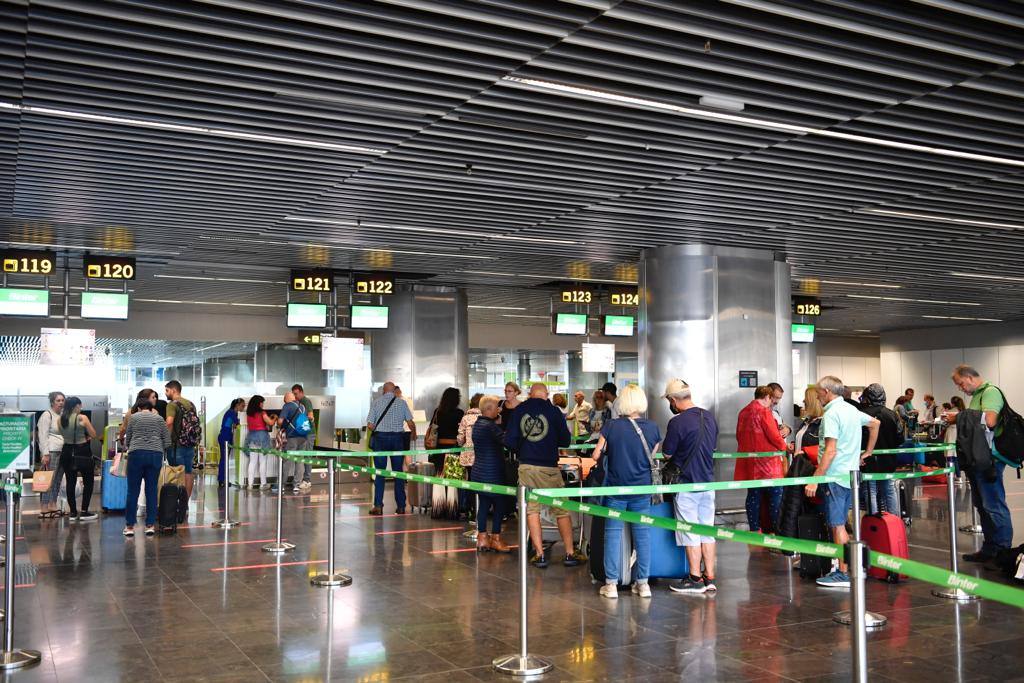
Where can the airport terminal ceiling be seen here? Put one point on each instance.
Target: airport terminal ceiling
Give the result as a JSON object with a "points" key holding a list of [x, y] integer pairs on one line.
{"points": [[501, 145]]}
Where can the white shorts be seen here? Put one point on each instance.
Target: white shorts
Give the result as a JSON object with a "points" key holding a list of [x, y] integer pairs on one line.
{"points": [[696, 508]]}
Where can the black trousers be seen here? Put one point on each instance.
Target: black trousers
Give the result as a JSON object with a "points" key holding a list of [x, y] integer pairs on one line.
{"points": [[71, 473]]}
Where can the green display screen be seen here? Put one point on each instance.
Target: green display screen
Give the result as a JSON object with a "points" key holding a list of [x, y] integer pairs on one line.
{"points": [[618, 326], [803, 333], [104, 305], [312, 316], [369, 318], [31, 302], [570, 323]]}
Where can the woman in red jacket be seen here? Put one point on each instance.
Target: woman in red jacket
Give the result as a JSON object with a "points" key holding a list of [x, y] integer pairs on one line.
{"points": [[757, 432]]}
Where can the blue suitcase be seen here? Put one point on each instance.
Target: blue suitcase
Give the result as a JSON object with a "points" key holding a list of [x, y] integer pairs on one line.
{"points": [[668, 560], [114, 489]]}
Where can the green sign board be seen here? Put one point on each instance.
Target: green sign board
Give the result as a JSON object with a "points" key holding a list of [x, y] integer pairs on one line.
{"points": [[104, 305], [15, 431], [34, 302]]}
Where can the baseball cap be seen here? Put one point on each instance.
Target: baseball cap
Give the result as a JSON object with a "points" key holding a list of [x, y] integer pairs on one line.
{"points": [[675, 386]]}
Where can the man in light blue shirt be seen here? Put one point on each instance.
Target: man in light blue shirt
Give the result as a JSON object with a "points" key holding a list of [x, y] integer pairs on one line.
{"points": [[841, 431], [385, 420]]}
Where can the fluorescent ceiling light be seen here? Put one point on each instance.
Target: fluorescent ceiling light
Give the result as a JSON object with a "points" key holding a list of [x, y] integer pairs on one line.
{"points": [[916, 301], [876, 285], [89, 247], [862, 330], [213, 346], [945, 219], [439, 231], [199, 130], [588, 93], [499, 308], [984, 276], [957, 317], [390, 251], [550, 277], [222, 279], [206, 303], [513, 315]]}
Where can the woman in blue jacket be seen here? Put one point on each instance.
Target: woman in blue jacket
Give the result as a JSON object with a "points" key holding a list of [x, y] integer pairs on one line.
{"points": [[489, 468], [226, 438]]}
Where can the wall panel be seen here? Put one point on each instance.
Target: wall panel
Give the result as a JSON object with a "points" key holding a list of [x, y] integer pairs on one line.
{"points": [[943, 362]]}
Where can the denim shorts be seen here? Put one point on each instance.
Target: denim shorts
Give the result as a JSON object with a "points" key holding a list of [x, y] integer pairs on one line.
{"points": [[182, 455], [838, 500]]}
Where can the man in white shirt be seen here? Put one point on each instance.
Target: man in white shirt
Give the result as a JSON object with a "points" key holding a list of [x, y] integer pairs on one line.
{"points": [[579, 416]]}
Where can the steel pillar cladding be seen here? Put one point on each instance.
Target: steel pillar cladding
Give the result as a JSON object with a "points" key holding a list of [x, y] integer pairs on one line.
{"points": [[705, 314]]}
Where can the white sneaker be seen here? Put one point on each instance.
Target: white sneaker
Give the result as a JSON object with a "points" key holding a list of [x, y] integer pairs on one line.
{"points": [[610, 591], [642, 589], [305, 486], [265, 487]]}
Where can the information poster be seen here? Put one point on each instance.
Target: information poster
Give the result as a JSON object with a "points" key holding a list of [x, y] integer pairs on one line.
{"points": [[599, 358], [14, 442], [58, 346], [341, 353]]}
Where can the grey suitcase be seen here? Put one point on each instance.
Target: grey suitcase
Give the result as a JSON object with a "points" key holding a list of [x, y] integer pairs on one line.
{"points": [[419, 493]]}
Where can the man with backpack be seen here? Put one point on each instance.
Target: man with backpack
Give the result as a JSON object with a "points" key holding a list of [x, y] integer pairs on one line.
{"points": [[300, 396], [987, 492], [186, 431], [297, 429]]}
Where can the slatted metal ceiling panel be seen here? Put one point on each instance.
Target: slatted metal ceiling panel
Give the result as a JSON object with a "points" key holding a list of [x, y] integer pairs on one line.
{"points": [[401, 145]]}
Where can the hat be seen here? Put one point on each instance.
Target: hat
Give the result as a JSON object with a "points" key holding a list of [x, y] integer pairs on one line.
{"points": [[675, 386]]}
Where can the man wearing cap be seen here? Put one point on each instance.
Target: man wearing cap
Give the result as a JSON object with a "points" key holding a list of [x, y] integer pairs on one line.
{"points": [[689, 445]]}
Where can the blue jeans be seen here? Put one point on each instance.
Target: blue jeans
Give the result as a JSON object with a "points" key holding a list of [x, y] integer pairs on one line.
{"points": [[754, 506], [990, 500], [489, 504], [876, 496], [613, 538], [181, 455], [388, 441], [142, 465]]}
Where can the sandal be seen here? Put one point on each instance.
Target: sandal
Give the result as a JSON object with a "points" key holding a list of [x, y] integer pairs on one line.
{"points": [[51, 514]]}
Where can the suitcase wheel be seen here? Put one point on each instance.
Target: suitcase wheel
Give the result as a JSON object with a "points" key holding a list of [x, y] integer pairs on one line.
{"points": [[892, 578]]}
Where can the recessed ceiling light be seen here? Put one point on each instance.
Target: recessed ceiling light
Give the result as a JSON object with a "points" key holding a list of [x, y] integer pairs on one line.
{"points": [[876, 285], [439, 231], [550, 277], [390, 251], [752, 122], [985, 276], [199, 130], [914, 301], [499, 308], [89, 247], [513, 315], [957, 317], [945, 219]]}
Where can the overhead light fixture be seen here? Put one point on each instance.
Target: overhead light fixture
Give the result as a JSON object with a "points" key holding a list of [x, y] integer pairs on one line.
{"points": [[439, 231], [876, 285], [945, 219], [206, 303], [198, 130], [550, 277], [222, 279], [862, 330], [717, 102], [985, 276], [957, 317], [513, 315], [390, 251], [89, 247], [589, 93], [915, 301], [499, 308]]}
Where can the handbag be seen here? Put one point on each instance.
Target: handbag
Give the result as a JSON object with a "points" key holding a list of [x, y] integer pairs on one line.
{"points": [[430, 439], [671, 473], [369, 432], [656, 499], [41, 480], [119, 468], [81, 455]]}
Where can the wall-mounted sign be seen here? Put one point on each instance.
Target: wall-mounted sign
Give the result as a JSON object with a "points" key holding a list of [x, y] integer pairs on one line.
{"points": [[748, 379], [59, 346], [307, 315], [802, 333], [598, 357], [618, 326], [806, 305], [369, 318], [15, 437], [624, 296], [373, 284], [29, 302], [570, 323], [105, 305], [109, 267], [18, 262], [311, 281], [576, 294]]}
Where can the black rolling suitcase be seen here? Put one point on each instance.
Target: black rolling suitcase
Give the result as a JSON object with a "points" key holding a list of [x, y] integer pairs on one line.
{"points": [[168, 514], [811, 527]]}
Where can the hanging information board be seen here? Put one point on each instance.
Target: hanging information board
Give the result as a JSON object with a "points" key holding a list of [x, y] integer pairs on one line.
{"points": [[599, 358], [341, 353], [67, 347]]}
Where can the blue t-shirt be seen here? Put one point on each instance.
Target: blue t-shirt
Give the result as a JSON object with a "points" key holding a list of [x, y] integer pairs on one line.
{"points": [[843, 423], [680, 441], [625, 462], [536, 431], [287, 417], [227, 424]]}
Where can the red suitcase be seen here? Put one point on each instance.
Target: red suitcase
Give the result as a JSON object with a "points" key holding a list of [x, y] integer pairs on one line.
{"points": [[885, 533]]}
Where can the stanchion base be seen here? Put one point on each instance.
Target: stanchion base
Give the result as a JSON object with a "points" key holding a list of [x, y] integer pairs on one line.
{"points": [[871, 619], [226, 524], [16, 659], [954, 594], [517, 665], [971, 529], [278, 548], [336, 579]]}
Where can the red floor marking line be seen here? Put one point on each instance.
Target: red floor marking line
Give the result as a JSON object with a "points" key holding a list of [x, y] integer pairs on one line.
{"points": [[223, 543], [420, 531], [266, 566], [407, 514], [20, 585], [206, 526], [461, 550]]}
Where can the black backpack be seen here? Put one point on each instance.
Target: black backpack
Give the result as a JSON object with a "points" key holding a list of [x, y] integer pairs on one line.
{"points": [[1010, 443]]}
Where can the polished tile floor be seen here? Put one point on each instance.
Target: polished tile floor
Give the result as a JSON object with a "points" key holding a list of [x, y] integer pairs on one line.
{"points": [[191, 607]]}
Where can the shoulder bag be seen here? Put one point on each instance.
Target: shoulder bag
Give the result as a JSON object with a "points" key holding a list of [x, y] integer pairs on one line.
{"points": [[656, 499], [670, 473], [369, 432], [81, 454], [430, 438]]}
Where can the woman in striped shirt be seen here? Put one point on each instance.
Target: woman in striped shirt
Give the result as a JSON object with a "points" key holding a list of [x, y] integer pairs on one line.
{"points": [[147, 438]]}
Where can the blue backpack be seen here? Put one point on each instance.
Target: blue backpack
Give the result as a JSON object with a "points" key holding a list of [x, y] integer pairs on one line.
{"points": [[300, 423]]}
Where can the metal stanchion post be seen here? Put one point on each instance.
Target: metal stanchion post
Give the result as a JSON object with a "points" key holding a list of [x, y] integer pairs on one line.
{"points": [[279, 546], [331, 578], [859, 623], [952, 593], [11, 658], [975, 526], [225, 522], [522, 663], [871, 619]]}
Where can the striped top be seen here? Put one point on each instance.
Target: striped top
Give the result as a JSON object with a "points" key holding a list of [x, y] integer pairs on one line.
{"points": [[147, 431]]}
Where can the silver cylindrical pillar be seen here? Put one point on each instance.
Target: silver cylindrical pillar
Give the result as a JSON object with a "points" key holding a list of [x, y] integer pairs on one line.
{"points": [[331, 578], [872, 620], [11, 658], [952, 593], [522, 663], [858, 624], [279, 546]]}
